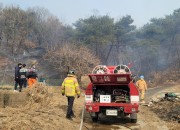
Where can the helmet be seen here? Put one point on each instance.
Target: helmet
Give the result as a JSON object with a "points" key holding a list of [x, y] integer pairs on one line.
{"points": [[71, 72], [24, 65], [141, 77], [19, 64]]}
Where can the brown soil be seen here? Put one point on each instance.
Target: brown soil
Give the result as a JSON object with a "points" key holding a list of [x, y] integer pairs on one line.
{"points": [[169, 111], [44, 110], [149, 120]]}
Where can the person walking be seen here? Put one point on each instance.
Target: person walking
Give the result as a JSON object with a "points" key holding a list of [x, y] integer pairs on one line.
{"points": [[32, 76], [142, 87], [23, 77], [70, 88], [17, 76]]}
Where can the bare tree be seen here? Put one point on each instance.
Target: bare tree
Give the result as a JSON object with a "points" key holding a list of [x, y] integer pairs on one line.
{"points": [[76, 57]]}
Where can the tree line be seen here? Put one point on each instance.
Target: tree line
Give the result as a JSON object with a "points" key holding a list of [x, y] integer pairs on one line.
{"points": [[98, 39]]}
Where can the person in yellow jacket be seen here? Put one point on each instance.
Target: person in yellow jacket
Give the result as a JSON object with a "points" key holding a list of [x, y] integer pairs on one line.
{"points": [[142, 87], [70, 88]]}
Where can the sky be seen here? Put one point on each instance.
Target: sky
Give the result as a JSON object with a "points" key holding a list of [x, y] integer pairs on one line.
{"points": [[69, 11]]}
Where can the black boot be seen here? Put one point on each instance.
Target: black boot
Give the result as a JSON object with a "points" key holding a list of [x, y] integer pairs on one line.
{"points": [[73, 116], [69, 118]]}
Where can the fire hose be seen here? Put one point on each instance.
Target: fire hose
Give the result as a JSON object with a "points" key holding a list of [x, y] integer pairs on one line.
{"points": [[82, 117]]}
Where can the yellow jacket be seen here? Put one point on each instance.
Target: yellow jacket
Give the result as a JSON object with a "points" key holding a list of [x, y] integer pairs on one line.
{"points": [[70, 86], [141, 84]]}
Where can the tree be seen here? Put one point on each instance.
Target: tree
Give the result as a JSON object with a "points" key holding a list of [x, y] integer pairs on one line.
{"points": [[76, 57], [14, 28], [95, 31], [122, 27]]}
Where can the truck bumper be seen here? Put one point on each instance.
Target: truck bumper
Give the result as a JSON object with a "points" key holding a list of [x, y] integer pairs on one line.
{"points": [[127, 107]]}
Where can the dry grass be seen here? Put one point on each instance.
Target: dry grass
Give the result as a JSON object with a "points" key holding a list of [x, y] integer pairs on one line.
{"points": [[6, 87], [45, 109], [84, 82]]}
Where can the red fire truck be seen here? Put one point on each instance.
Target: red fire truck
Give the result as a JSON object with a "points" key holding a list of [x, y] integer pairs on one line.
{"points": [[112, 92]]}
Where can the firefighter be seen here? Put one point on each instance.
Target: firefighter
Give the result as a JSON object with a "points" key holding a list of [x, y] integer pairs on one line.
{"points": [[17, 76], [70, 88], [142, 87], [23, 77], [32, 76]]}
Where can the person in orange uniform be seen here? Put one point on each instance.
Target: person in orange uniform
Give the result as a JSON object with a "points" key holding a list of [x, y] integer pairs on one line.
{"points": [[142, 87], [70, 88], [32, 76]]}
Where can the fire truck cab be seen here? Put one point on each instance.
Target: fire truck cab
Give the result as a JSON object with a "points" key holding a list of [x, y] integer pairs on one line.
{"points": [[112, 92]]}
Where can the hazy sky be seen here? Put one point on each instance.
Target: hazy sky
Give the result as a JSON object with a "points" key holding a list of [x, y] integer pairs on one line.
{"points": [[68, 11]]}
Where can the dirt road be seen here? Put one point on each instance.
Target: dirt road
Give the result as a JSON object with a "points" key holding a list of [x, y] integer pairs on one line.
{"points": [[147, 120], [152, 91]]}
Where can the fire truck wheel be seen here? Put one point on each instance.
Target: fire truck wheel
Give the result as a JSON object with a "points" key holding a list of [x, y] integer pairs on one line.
{"points": [[133, 120], [94, 119], [133, 117]]}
